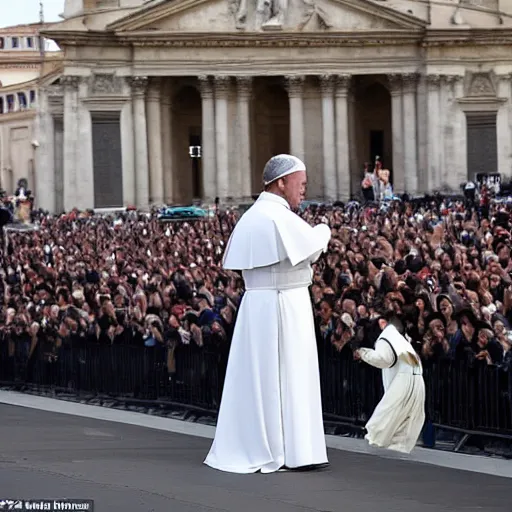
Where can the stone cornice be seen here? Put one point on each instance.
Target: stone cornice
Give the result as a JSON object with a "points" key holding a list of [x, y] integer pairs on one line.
{"points": [[468, 37], [273, 39], [20, 87], [21, 57], [481, 103], [14, 65], [424, 37], [105, 103], [29, 113], [238, 39]]}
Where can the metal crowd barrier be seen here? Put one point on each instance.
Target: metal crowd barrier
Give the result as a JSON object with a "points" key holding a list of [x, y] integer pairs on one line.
{"points": [[471, 399]]}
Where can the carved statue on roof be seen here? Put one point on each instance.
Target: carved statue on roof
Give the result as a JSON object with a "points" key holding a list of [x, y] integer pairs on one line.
{"points": [[270, 14]]}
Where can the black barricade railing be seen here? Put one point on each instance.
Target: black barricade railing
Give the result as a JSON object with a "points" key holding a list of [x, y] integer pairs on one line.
{"points": [[469, 397]]}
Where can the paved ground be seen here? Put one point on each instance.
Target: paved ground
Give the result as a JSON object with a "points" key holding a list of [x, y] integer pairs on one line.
{"points": [[128, 468]]}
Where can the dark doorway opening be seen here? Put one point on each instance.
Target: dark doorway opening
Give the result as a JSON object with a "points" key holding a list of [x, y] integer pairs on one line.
{"points": [[376, 144]]}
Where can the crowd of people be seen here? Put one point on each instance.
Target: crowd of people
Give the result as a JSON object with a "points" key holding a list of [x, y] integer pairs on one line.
{"points": [[129, 279]]}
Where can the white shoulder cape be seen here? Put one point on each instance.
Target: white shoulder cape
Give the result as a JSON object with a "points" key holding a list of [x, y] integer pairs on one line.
{"points": [[397, 341], [269, 232]]}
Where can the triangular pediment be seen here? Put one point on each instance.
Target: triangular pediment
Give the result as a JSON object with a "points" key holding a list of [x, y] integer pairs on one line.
{"points": [[214, 16]]}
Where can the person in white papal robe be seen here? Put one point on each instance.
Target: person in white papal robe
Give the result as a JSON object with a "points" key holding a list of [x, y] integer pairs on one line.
{"points": [[399, 417], [270, 416]]}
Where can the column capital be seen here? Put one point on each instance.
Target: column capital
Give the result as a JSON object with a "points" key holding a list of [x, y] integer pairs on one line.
{"points": [[409, 82], [70, 81], [139, 85], [343, 83], [221, 83], [244, 86], [205, 86], [295, 85], [395, 81], [451, 79], [327, 84], [434, 80]]}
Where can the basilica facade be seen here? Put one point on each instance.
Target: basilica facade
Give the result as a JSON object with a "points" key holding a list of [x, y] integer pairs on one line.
{"points": [[171, 101]]}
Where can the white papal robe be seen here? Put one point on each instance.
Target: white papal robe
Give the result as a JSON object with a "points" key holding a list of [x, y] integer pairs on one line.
{"points": [[271, 413], [399, 417]]}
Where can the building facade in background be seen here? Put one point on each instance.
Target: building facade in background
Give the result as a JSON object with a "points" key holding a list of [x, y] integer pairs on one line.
{"points": [[169, 101], [23, 65]]}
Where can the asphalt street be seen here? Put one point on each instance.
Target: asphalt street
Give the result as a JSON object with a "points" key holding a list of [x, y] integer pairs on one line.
{"points": [[125, 468]]}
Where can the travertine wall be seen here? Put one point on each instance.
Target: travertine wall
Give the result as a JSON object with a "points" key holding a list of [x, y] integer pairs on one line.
{"points": [[16, 153]]}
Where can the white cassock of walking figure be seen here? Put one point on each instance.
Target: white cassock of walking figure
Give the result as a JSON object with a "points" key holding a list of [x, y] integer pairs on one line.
{"points": [[399, 417], [270, 415]]}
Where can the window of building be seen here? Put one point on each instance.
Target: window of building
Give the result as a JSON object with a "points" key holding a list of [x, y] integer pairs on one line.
{"points": [[10, 103], [30, 42], [32, 97], [15, 42], [2, 43], [1, 105], [22, 99]]}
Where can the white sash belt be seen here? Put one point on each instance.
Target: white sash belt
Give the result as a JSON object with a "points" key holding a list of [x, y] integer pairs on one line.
{"points": [[269, 279]]}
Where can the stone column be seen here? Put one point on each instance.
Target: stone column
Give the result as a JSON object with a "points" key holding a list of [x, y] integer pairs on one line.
{"points": [[502, 127], [434, 137], [295, 87], [449, 181], [460, 133], [221, 133], [342, 137], [244, 91], [396, 89], [422, 126], [410, 81], [139, 86], [509, 109], [356, 176], [154, 127], [443, 120], [208, 159], [128, 153], [70, 85], [85, 196], [167, 139], [327, 83], [45, 158]]}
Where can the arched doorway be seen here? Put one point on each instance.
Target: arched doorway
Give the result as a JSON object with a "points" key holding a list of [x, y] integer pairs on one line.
{"points": [[373, 126], [186, 135], [271, 125]]}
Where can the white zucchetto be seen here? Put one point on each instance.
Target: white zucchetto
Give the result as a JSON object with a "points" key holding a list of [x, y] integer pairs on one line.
{"points": [[280, 166]]}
